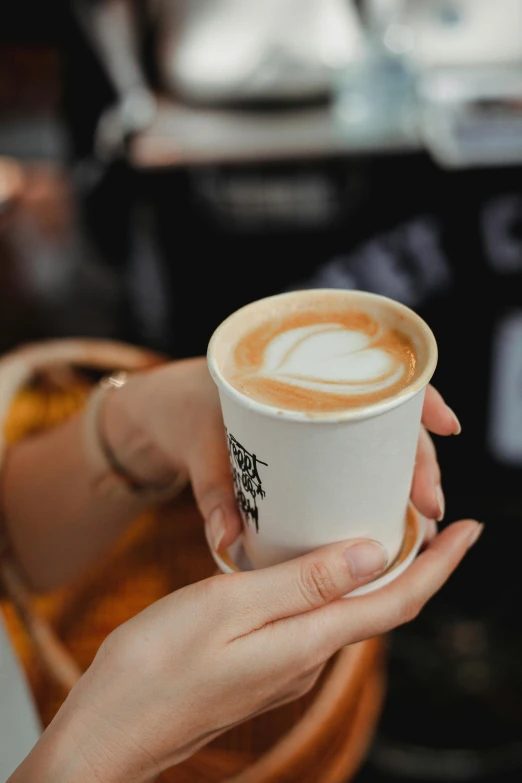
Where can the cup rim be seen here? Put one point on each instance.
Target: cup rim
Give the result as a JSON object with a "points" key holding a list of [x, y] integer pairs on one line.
{"points": [[338, 416]]}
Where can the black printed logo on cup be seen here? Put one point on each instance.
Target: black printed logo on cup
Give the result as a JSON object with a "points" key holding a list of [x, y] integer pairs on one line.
{"points": [[247, 481]]}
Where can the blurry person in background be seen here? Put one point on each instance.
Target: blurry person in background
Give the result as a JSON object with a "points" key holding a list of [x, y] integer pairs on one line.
{"points": [[221, 53], [124, 59]]}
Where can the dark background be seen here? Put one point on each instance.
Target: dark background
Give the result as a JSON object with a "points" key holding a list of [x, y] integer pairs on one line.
{"points": [[150, 257]]}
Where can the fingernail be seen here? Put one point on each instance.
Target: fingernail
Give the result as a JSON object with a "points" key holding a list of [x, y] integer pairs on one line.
{"points": [[366, 559], [441, 502], [216, 527], [458, 427], [475, 535]]}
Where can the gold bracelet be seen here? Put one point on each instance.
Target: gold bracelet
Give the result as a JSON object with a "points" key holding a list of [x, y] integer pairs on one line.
{"points": [[111, 473]]}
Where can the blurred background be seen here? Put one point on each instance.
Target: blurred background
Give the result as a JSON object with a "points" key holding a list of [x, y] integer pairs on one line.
{"points": [[163, 162]]}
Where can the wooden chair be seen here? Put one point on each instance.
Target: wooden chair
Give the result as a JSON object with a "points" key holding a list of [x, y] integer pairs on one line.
{"points": [[321, 738]]}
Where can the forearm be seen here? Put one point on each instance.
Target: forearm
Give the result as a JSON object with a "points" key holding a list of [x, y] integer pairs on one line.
{"points": [[62, 507], [58, 514]]}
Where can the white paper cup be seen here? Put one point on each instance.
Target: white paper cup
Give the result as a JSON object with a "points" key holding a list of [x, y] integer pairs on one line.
{"points": [[304, 480]]}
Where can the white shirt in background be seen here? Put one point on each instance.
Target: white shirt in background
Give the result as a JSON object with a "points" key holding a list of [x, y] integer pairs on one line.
{"points": [[19, 723]]}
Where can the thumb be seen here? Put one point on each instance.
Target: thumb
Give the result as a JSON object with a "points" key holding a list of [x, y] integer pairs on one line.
{"points": [[213, 489], [308, 582]]}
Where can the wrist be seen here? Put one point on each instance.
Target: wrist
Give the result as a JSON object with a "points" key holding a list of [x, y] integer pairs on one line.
{"points": [[75, 748], [129, 441]]}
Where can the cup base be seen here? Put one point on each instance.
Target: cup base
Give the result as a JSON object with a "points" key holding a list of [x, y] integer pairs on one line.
{"points": [[233, 559]]}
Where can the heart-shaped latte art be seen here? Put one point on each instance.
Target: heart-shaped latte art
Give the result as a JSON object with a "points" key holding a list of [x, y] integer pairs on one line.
{"points": [[331, 358]]}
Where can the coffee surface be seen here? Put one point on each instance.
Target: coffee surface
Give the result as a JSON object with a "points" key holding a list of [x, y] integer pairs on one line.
{"points": [[321, 361]]}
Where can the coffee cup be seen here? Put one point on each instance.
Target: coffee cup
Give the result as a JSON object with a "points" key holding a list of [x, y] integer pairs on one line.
{"points": [[322, 394]]}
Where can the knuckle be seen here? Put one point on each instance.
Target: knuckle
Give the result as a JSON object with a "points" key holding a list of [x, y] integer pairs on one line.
{"points": [[410, 609], [314, 664], [314, 653], [317, 584], [221, 496], [215, 591], [302, 689], [124, 650], [209, 492], [306, 684], [313, 678], [219, 594], [109, 648]]}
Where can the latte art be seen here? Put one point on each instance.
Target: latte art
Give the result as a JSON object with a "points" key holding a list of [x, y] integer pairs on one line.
{"points": [[322, 361], [330, 358]]}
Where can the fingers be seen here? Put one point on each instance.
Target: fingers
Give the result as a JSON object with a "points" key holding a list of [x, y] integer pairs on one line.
{"points": [[438, 417], [213, 488], [426, 490], [303, 584], [355, 619], [431, 532]]}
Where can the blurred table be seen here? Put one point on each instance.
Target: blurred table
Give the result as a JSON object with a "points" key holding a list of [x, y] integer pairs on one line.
{"points": [[184, 135]]}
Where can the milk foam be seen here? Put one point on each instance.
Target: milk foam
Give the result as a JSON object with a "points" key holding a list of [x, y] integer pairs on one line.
{"points": [[320, 358], [329, 357]]}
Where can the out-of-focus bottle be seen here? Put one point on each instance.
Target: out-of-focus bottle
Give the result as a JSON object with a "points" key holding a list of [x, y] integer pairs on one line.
{"points": [[376, 93]]}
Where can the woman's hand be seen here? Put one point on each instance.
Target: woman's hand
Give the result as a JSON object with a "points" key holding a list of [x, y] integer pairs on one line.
{"points": [[426, 491], [162, 423], [218, 652], [176, 408]]}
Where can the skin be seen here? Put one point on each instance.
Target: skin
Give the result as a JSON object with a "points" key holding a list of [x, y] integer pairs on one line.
{"points": [[250, 641]]}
